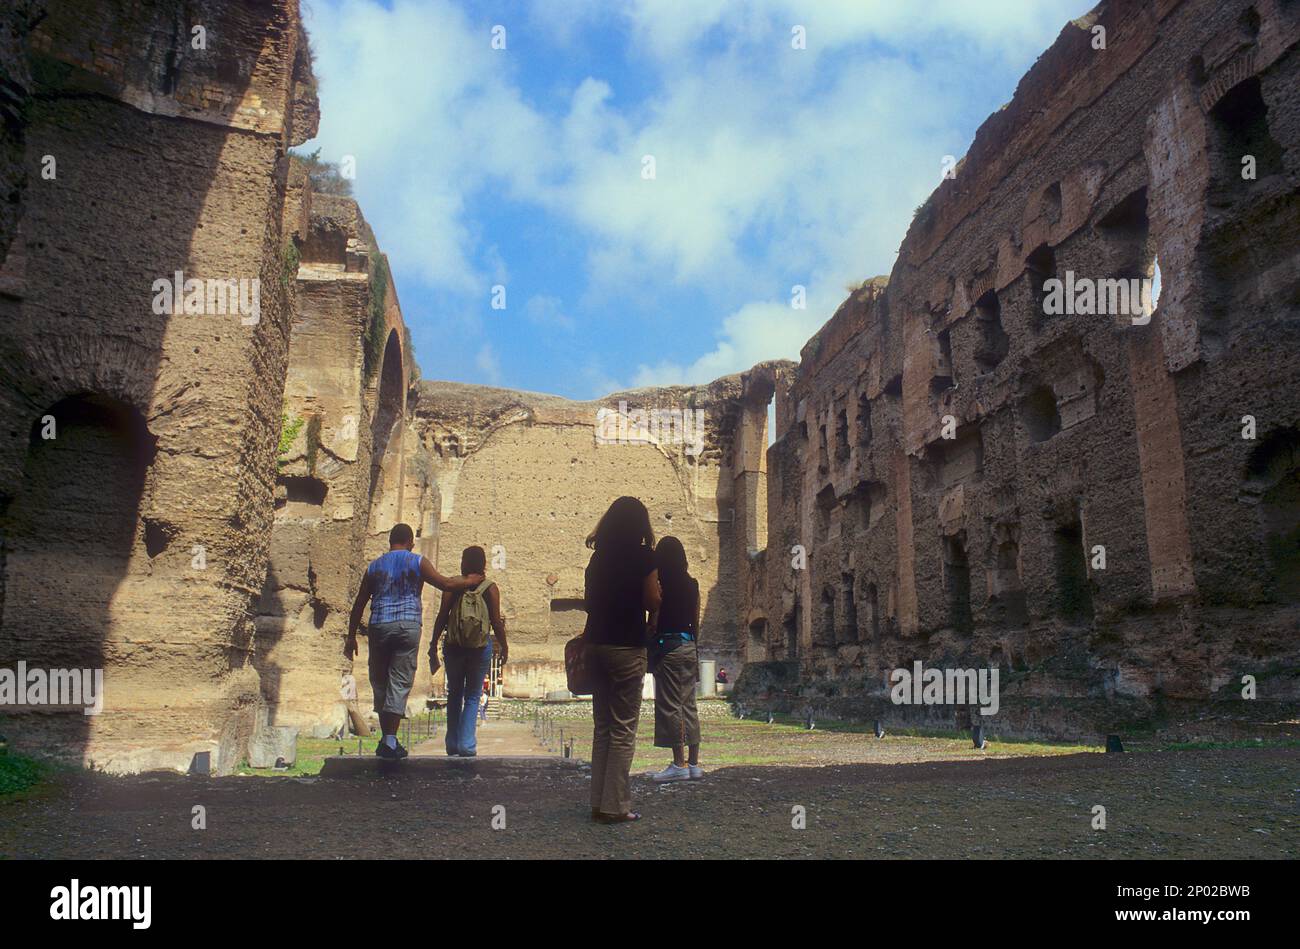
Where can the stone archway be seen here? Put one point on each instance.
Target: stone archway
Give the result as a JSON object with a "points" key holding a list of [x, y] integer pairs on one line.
{"points": [[72, 536]]}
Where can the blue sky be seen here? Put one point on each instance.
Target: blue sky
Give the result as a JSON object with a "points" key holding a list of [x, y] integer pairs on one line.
{"points": [[774, 166]]}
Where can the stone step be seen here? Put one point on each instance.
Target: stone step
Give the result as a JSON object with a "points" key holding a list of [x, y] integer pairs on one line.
{"points": [[361, 766]]}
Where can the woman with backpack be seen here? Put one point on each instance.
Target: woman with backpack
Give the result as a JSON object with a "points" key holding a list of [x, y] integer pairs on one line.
{"points": [[674, 662], [621, 588], [466, 617]]}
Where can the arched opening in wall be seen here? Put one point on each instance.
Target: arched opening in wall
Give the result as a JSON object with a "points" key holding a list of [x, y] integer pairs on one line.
{"points": [[1239, 128], [850, 608], [72, 527], [825, 630], [1007, 592], [385, 465], [1040, 267], [1040, 415], [864, 421], [1130, 259], [866, 505], [1051, 203], [956, 582], [842, 436], [1273, 478], [944, 378], [825, 504], [992, 344], [871, 603], [1073, 588], [757, 651]]}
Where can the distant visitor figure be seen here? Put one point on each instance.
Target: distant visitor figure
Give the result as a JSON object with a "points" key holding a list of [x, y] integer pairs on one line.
{"points": [[466, 616], [621, 588], [674, 662], [392, 584]]}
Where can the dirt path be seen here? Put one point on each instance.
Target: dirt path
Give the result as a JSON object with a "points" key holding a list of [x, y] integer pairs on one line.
{"points": [[1226, 803], [494, 737]]}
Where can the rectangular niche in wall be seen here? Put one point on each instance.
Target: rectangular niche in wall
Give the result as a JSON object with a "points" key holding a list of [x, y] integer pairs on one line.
{"points": [[956, 582]]}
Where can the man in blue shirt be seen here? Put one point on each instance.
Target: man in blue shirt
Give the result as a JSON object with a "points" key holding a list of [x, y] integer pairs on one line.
{"points": [[392, 584]]}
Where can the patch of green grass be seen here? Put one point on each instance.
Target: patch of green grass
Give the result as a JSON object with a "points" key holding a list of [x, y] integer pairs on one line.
{"points": [[18, 773], [312, 753]]}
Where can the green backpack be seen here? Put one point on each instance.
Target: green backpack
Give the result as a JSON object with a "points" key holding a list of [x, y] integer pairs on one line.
{"points": [[470, 621]]}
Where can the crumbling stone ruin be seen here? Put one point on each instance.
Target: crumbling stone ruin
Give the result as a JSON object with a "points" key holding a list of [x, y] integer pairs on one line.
{"points": [[214, 414], [1105, 507], [135, 539], [527, 477]]}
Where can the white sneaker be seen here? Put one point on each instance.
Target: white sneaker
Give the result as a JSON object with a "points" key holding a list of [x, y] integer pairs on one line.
{"points": [[671, 773], [696, 772]]}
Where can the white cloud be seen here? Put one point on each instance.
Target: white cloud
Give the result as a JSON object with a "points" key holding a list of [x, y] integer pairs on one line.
{"points": [[774, 166]]}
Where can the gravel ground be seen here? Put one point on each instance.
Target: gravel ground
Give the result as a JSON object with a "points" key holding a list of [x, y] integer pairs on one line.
{"points": [[1225, 803]]}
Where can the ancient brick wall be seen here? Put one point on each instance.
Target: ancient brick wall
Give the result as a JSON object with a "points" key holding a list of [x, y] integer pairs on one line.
{"points": [[342, 479], [136, 538], [523, 476], [956, 456]]}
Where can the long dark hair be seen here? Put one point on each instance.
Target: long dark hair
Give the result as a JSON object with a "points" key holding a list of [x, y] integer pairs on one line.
{"points": [[624, 527], [674, 578]]}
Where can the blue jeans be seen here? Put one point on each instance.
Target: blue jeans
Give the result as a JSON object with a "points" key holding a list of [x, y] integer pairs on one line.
{"points": [[466, 669]]}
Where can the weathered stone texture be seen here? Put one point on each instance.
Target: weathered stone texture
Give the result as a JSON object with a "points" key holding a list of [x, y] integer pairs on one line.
{"points": [[341, 480], [1069, 432], [170, 160], [523, 476]]}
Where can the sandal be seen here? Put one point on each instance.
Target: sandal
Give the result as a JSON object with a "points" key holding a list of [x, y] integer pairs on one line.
{"points": [[602, 818]]}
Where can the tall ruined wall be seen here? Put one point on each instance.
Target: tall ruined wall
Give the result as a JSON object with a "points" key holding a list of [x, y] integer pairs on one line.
{"points": [[135, 538], [340, 475], [525, 477], [952, 456]]}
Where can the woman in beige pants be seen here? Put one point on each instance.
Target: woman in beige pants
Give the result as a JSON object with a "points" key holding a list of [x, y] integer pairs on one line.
{"points": [[622, 587]]}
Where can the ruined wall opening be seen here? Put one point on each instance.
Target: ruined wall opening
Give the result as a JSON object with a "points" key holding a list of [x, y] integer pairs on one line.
{"points": [[1040, 267], [790, 626], [956, 582], [757, 641], [825, 504], [867, 504], [824, 632], [1073, 588], [1273, 478], [943, 377], [864, 421], [301, 489], [568, 615], [960, 458], [842, 436], [992, 344], [78, 503], [849, 609], [1239, 127], [1006, 586], [871, 605], [1130, 255], [1040, 415]]}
